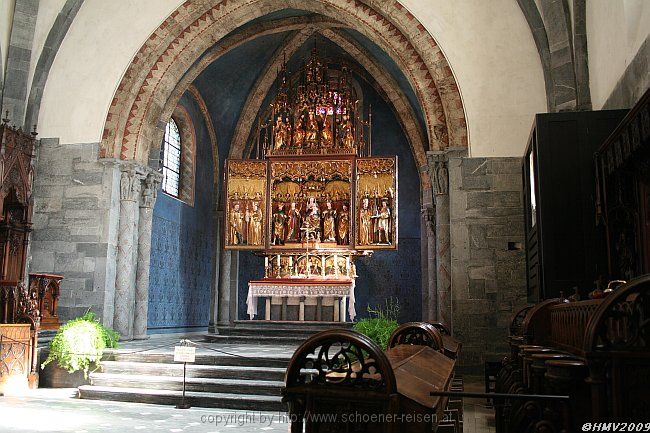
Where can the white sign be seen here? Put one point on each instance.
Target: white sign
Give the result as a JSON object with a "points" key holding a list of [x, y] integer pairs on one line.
{"points": [[184, 353]]}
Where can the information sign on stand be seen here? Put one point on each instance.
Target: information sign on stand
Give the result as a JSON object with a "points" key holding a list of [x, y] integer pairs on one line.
{"points": [[184, 354]]}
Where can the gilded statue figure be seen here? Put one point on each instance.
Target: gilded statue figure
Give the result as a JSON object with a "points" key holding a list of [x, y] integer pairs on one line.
{"points": [[365, 215], [344, 224], [281, 134], [311, 135], [329, 218], [236, 225], [326, 133], [294, 221], [346, 133], [299, 132], [254, 218], [311, 225], [383, 226], [279, 219]]}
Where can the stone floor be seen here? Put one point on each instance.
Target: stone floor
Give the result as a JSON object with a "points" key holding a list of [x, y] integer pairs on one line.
{"points": [[49, 410], [59, 410]]}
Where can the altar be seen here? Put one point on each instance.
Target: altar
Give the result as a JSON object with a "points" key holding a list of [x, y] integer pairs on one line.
{"points": [[313, 199], [303, 296]]}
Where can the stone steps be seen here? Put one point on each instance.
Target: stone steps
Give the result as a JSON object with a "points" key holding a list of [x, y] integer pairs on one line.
{"points": [[271, 332], [170, 397], [194, 384], [202, 358], [243, 370], [193, 370], [257, 340], [214, 380]]}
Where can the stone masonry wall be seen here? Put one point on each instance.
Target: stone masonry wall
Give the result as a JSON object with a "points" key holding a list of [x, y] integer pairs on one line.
{"points": [[487, 254], [75, 225]]}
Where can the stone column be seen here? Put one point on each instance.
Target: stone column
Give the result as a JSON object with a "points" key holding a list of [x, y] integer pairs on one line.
{"points": [[126, 269], [430, 286], [440, 179], [223, 294], [149, 194], [214, 290]]}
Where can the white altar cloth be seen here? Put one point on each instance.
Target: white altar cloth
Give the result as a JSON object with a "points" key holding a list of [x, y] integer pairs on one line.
{"points": [[298, 288]]}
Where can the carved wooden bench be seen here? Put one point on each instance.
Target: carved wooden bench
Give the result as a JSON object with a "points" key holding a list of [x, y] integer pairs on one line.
{"points": [[340, 380]]}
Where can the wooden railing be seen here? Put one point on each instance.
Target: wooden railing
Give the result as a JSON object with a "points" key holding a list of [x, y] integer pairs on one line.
{"points": [[569, 323]]}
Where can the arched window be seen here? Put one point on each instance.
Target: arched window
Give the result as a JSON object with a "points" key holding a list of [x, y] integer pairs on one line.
{"points": [[171, 159]]}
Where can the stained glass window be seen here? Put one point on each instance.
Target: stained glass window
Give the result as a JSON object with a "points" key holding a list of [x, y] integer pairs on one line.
{"points": [[171, 159]]}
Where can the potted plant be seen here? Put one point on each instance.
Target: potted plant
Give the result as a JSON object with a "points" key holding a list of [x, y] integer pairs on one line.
{"points": [[381, 323], [77, 349]]}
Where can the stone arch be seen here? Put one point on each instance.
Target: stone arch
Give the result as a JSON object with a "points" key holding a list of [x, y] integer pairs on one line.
{"points": [[196, 25], [188, 154], [229, 43], [561, 40], [211, 132], [50, 48]]}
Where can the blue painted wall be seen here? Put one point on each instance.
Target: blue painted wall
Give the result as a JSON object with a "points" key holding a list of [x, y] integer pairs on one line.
{"points": [[396, 274], [182, 246]]}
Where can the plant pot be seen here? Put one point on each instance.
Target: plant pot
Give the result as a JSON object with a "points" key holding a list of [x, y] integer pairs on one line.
{"points": [[53, 376]]}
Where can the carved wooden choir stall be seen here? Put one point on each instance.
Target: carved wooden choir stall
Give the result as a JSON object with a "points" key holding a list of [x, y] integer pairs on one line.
{"points": [[594, 351], [340, 380], [25, 306], [19, 315], [313, 200]]}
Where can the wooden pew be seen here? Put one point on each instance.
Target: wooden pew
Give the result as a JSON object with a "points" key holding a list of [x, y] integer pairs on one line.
{"points": [[451, 345], [340, 380], [596, 352]]}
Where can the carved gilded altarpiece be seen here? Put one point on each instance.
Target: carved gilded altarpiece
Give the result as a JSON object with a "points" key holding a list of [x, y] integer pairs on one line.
{"points": [[246, 192], [376, 203], [310, 202], [322, 200]]}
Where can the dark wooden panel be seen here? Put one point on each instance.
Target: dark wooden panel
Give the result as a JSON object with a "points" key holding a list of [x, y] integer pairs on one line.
{"points": [[565, 246]]}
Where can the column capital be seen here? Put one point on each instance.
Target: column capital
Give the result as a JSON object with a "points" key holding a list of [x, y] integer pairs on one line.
{"points": [[129, 183], [151, 184], [438, 167]]}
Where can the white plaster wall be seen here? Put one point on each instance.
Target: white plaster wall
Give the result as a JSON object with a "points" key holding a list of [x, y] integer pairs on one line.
{"points": [[99, 46], [494, 58], [615, 32], [47, 13], [6, 18]]}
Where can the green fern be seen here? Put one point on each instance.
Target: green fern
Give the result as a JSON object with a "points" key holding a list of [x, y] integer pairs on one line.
{"points": [[80, 343]]}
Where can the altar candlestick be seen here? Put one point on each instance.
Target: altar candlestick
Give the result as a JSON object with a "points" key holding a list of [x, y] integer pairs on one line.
{"points": [[347, 265], [336, 265], [322, 266]]}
